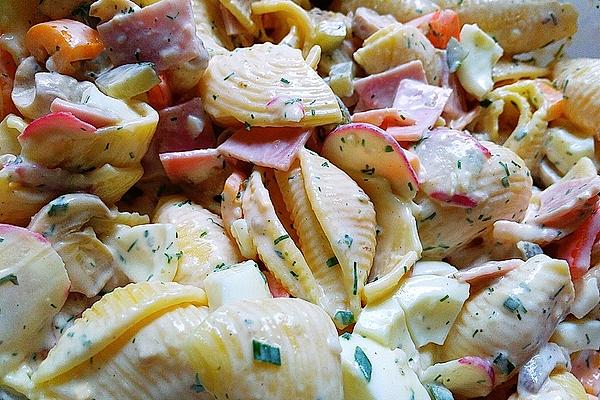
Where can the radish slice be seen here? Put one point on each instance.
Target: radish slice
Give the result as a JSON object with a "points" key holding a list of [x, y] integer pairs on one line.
{"points": [[369, 151]]}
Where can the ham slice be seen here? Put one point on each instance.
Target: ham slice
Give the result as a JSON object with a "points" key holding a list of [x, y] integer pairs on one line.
{"points": [[268, 147], [576, 248], [192, 167], [379, 90], [366, 22], [383, 117], [486, 272], [420, 102], [565, 201], [163, 33], [184, 127]]}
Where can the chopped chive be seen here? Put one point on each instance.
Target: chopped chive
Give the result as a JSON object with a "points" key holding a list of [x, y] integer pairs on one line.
{"points": [[280, 238], [266, 352], [345, 317], [333, 261], [364, 364], [12, 278]]}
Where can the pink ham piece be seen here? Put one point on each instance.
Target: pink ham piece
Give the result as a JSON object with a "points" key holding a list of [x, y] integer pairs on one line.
{"points": [[184, 127], [420, 102], [163, 33], [576, 248], [91, 115], [379, 90], [383, 117], [192, 167], [366, 22], [564, 201], [486, 272], [268, 147]]}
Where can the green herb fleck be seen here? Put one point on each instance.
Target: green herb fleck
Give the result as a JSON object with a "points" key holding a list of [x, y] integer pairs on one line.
{"points": [[280, 238], [345, 317], [364, 364], [12, 278], [333, 261], [266, 352]]}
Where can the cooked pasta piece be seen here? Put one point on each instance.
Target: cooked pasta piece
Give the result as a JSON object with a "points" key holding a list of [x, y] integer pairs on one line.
{"points": [[10, 128], [108, 319], [579, 80], [480, 190], [267, 85], [210, 27], [347, 218], [530, 105], [398, 44], [396, 227], [68, 222], [373, 372], [509, 22], [202, 241], [146, 361], [272, 348], [314, 245], [511, 70], [403, 10], [509, 320], [275, 247], [242, 11], [288, 12]]}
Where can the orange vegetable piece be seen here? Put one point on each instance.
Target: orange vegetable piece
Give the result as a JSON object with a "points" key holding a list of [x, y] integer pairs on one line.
{"points": [[7, 76], [65, 40], [553, 99], [439, 27], [160, 96]]}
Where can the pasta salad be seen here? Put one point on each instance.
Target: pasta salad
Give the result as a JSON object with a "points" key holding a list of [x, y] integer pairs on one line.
{"points": [[297, 199]]}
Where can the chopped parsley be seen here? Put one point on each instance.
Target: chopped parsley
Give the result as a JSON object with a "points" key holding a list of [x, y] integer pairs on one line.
{"points": [[57, 208]]}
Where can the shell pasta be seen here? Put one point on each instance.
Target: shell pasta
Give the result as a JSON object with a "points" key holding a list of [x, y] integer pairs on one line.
{"points": [[298, 199]]}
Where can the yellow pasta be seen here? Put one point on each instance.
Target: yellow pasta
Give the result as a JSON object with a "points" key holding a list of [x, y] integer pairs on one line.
{"points": [[398, 44], [209, 26], [503, 199], [267, 348], [110, 317], [146, 361], [242, 11], [579, 79], [267, 85], [314, 245], [403, 10], [201, 238], [275, 247], [511, 21], [508, 321], [397, 229], [347, 218]]}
